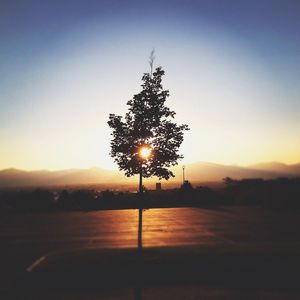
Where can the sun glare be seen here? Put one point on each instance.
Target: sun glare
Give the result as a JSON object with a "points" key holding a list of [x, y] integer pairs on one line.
{"points": [[145, 152]]}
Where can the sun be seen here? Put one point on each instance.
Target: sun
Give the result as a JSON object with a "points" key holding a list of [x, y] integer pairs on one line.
{"points": [[145, 152]]}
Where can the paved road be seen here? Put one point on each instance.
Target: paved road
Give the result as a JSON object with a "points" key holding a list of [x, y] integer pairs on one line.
{"points": [[24, 238]]}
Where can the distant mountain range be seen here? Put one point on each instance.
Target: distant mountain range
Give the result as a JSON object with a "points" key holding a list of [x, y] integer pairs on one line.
{"points": [[196, 172], [202, 171]]}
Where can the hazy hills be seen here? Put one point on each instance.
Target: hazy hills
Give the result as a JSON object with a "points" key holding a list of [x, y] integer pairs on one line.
{"points": [[289, 170], [196, 172], [215, 172], [15, 177]]}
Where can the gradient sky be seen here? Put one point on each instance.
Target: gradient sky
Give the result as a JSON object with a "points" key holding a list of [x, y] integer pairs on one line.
{"points": [[232, 68]]}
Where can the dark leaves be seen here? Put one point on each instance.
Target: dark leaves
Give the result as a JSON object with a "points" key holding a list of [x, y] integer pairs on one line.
{"points": [[148, 121]]}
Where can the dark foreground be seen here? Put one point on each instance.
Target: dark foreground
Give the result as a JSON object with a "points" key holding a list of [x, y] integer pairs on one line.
{"points": [[241, 253]]}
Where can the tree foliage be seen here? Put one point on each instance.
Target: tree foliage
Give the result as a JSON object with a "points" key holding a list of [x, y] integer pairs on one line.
{"points": [[148, 123]]}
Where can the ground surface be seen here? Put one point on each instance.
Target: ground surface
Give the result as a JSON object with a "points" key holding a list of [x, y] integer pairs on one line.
{"points": [[26, 238]]}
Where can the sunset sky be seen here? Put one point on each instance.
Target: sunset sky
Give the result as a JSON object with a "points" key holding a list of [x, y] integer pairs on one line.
{"points": [[232, 68]]}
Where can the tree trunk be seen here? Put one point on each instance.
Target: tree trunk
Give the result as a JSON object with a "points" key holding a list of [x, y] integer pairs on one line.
{"points": [[140, 246], [141, 182]]}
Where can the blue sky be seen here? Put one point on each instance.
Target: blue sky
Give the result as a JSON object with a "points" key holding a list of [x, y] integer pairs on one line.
{"points": [[232, 68]]}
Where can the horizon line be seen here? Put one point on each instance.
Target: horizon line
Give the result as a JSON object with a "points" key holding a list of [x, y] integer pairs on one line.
{"points": [[185, 164]]}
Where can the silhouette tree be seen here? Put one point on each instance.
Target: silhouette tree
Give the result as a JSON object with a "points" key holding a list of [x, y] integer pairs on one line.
{"points": [[147, 141]]}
